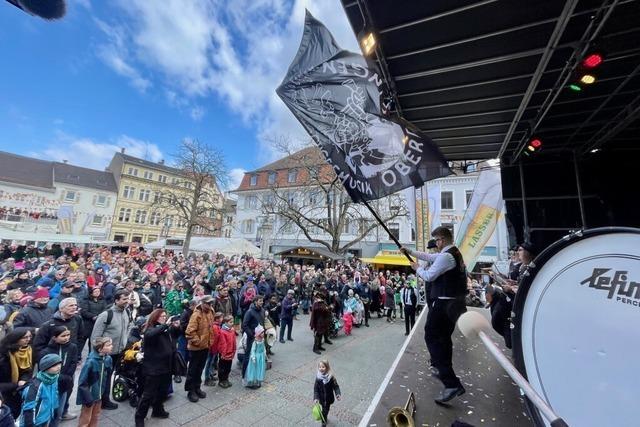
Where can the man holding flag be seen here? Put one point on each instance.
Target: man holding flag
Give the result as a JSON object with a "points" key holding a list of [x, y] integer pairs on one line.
{"points": [[336, 96], [448, 276]]}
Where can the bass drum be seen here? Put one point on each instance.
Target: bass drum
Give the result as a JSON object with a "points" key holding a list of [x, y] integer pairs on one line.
{"points": [[576, 321]]}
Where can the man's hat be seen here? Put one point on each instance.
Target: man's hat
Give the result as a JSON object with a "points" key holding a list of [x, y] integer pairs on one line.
{"points": [[41, 293]]}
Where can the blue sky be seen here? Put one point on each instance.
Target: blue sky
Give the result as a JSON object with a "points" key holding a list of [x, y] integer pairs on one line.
{"points": [[144, 74]]}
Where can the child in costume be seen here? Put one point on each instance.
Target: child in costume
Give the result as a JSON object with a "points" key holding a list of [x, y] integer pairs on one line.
{"points": [[257, 360]]}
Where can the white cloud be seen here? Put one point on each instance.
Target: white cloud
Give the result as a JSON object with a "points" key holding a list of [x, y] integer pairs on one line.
{"points": [[197, 113], [89, 153], [237, 50], [115, 54], [235, 177]]}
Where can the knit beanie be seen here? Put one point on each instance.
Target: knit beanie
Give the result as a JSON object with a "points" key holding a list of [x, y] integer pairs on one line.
{"points": [[49, 361]]}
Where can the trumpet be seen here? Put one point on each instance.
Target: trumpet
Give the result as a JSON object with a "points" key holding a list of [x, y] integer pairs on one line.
{"points": [[403, 417]]}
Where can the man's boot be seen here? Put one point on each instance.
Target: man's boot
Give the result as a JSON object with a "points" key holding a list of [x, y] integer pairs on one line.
{"points": [[139, 421], [159, 412]]}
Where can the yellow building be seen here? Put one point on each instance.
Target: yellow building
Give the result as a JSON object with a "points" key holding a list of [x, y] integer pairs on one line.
{"points": [[138, 216]]}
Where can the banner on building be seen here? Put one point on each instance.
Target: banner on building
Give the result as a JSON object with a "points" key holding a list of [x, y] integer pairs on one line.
{"points": [[481, 216], [336, 96], [65, 219]]}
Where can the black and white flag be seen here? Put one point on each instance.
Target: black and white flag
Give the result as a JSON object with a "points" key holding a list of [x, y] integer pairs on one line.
{"points": [[337, 96]]}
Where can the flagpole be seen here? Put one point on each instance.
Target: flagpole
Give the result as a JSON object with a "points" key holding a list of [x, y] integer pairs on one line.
{"points": [[396, 241]]}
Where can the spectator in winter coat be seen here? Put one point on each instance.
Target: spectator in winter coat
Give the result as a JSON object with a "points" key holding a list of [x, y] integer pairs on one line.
{"points": [[6, 419], [109, 289], [286, 315], [92, 384], [198, 336], [159, 349], [252, 318], [22, 282], [67, 316], [115, 326], [16, 366], [226, 351], [90, 309], [66, 291], [223, 303], [61, 345], [40, 402], [175, 300], [324, 389], [320, 322], [36, 312], [58, 280]]}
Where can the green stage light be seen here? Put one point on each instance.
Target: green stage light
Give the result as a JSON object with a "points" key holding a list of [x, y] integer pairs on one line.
{"points": [[575, 88]]}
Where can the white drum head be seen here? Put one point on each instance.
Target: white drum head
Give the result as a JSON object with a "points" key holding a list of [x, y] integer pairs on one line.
{"points": [[578, 328]]}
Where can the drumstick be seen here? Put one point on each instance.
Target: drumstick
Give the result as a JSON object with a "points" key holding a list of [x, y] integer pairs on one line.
{"points": [[473, 324]]}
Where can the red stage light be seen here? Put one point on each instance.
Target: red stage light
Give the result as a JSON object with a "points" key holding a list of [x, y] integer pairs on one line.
{"points": [[592, 60], [536, 143]]}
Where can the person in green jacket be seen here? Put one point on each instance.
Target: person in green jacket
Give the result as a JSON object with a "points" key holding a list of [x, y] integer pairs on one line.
{"points": [[176, 300], [93, 382]]}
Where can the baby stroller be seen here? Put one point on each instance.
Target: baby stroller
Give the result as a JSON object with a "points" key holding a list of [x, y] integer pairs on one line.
{"points": [[336, 325], [127, 383]]}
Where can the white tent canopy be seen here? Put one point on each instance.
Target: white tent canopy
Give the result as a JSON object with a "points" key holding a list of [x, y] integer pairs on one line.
{"points": [[49, 237], [222, 245]]}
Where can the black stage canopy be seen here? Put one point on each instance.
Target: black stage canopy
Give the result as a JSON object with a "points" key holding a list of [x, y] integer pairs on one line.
{"points": [[483, 77]]}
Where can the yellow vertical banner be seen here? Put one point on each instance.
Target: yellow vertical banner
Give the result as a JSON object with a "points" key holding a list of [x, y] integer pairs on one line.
{"points": [[481, 217], [422, 219]]}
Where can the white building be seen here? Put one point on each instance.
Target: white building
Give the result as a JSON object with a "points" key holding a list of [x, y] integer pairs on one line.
{"points": [[40, 198], [274, 235]]}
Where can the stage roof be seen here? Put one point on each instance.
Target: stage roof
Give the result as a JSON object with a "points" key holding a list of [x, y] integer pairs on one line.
{"points": [[483, 77]]}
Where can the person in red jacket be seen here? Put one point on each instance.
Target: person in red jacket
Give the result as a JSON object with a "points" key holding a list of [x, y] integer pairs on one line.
{"points": [[212, 360], [226, 351]]}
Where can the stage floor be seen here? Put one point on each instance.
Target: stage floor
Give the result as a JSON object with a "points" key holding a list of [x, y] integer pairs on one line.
{"points": [[492, 398]]}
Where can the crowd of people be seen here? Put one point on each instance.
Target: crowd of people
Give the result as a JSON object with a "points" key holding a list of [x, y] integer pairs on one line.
{"points": [[17, 214], [119, 317]]}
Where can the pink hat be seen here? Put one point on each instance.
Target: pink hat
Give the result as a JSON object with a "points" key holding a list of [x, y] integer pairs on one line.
{"points": [[41, 293]]}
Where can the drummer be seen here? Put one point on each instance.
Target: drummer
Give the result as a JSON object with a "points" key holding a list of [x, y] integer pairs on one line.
{"points": [[447, 274]]}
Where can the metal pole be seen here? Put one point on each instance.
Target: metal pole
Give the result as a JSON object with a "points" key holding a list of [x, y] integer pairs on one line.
{"points": [[539, 403], [375, 215], [524, 201], [579, 187]]}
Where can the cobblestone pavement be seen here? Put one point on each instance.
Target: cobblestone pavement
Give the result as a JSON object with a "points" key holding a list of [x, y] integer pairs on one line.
{"points": [[359, 361]]}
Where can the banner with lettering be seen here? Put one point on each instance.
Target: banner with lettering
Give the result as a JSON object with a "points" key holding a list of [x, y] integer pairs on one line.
{"points": [[339, 99], [481, 216]]}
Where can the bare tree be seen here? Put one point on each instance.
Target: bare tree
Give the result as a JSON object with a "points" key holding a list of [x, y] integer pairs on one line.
{"points": [[195, 200], [316, 204]]}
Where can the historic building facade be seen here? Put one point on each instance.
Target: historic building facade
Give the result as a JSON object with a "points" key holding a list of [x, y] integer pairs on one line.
{"points": [[39, 199], [140, 216]]}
